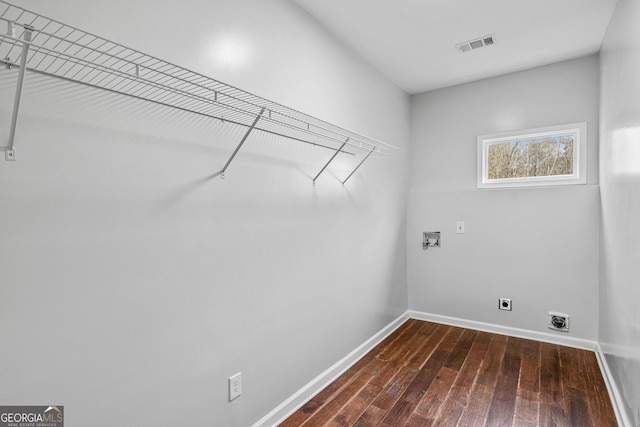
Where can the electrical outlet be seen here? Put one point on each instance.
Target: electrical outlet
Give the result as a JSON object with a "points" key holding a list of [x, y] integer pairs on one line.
{"points": [[460, 227], [504, 304], [235, 386]]}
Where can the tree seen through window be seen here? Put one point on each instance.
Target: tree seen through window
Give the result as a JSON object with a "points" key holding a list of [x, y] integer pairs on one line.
{"points": [[534, 157]]}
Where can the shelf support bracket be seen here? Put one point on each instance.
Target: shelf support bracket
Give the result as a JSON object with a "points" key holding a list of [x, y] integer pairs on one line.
{"points": [[244, 138], [330, 160], [356, 168], [9, 152]]}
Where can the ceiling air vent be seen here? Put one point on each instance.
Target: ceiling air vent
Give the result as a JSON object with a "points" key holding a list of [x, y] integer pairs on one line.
{"points": [[476, 43]]}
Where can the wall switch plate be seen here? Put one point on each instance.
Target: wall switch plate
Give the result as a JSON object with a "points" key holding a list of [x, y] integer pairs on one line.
{"points": [[235, 386], [460, 227], [504, 304]]}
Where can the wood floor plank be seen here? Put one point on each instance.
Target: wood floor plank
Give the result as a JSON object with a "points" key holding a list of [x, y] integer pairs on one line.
{"points": [[453, 407], [469, 419], [450, 415], [571, 371], [550, 375], [327, 395], [478, 405], [337, 402], [471, 366], [577, 408], [412, 349], [527, 408], [481, 344], [598, 395], [426, 374], [530, 366], [488, 374], [371, 417], [450, 340], [382, 377], [430, 403], [417, 421], [404, 407], [429, 345], [395, 388], [552, 416], [466, 357], [349, 413], [503, 402], [461, 350], [394, 344], [377, 357], [511, 360], [467, 375], [385, 367]]}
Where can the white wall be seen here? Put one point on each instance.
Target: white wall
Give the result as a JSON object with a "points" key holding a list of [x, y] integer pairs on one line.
{"points": [[134, 284], [537, 246], [620, 188]]}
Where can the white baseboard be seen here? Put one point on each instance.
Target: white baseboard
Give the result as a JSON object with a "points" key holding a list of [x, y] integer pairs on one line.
{"points": [[506, 330], [302, 396], [622, 415]]}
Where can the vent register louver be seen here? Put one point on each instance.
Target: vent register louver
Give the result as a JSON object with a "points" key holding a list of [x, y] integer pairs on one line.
{"points": [[32, 43], [476, 43]]}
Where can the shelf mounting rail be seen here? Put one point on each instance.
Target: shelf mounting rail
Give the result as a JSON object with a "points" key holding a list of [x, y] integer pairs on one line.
{"points": [[36, 44]]}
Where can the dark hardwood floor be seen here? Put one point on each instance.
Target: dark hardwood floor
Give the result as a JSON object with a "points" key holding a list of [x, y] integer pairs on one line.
{"points": [[427, 374]]}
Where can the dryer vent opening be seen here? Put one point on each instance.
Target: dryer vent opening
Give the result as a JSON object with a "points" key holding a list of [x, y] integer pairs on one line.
{"points": [[559, 321]]}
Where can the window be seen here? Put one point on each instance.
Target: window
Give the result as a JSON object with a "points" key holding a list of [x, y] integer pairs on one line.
{"points": [[536, 157]]}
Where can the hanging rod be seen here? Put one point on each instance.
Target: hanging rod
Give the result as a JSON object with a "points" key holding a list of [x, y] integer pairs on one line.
{"points": [[37, 44]]}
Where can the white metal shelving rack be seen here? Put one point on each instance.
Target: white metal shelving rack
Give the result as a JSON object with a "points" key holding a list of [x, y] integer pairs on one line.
{"points": [[33, 43]]}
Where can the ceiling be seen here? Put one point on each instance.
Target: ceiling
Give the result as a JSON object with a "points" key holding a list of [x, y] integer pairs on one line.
{"points": [[413, 42]]}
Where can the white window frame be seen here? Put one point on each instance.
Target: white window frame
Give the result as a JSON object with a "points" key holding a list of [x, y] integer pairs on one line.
{"points": [[579, 175]]}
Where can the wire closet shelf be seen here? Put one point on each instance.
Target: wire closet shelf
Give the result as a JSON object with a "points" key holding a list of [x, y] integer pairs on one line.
{"points": [[37, 44]]}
